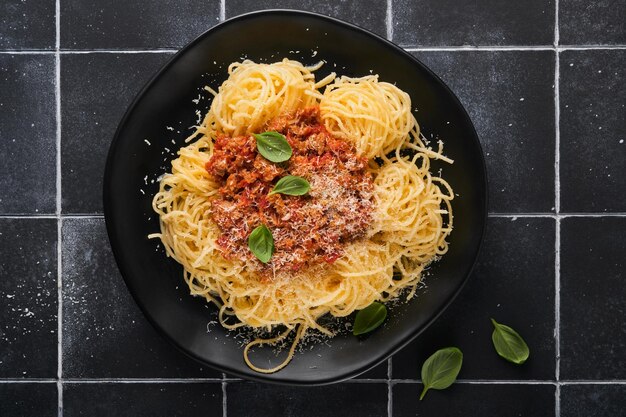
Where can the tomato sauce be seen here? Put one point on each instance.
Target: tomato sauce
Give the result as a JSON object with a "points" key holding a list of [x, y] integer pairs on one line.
{"points": [[306, 229]]}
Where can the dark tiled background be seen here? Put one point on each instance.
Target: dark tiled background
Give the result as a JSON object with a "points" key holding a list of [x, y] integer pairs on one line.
{"points": [[548, 104]]}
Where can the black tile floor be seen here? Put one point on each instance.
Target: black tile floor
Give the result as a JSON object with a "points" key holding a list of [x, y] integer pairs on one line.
{"points": [[482, 22], [142, 399], [27, 123], [513, 112], [92, 103], [543, 81]]}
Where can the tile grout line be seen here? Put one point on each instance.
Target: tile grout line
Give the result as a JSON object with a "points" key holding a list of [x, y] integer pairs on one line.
{"points": [[120, 51], [224, 398], [51, 216], [557, 135], [567, 215], [29, 381], [351, 381], [59, 209], [389, 387], [87, 51], [59, 200], [477, 48], [142, 380], [557, 209], [389, 19], [557, 315], [593, 382], [515, 216], [512, 48], [590, 47], [408, 48], [482, 382]]}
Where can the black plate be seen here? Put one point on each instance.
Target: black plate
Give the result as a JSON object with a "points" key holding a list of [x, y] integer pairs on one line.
{"points": [[156, 281]]}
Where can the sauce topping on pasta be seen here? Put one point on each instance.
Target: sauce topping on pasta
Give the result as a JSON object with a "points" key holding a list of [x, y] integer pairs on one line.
{"points": [[306, 229]]}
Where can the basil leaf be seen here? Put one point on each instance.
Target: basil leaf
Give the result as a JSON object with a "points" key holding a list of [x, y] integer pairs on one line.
{"points": [[369, 318], [261, 243], [509, 344], [291, 185], [441, 369], [273, 146]]}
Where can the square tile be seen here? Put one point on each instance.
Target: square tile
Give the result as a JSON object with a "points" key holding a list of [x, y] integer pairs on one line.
{"points": [[593, 131], [28, 298], [146, 24], [513, 112], [27, 24], [96, 90], [592, 22], [484, 400], [27, 134], [513, 283], [142, 399], [593, 400], [369, 14], [482, 22], [29, 400], [355, 399], [593, 336], [105, 335]]}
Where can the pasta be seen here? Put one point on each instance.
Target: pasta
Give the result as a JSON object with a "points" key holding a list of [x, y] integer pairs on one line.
{"points": [[407, 211]]}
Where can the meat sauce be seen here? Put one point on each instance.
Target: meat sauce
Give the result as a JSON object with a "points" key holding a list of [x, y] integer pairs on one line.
{"points": [[307, 229]]}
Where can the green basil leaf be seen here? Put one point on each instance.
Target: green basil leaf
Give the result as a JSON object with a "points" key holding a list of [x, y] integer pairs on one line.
{"points": [[273, 146], [369, 318], [509, 344], [291, 185], [441, 369], [261, 243]]}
